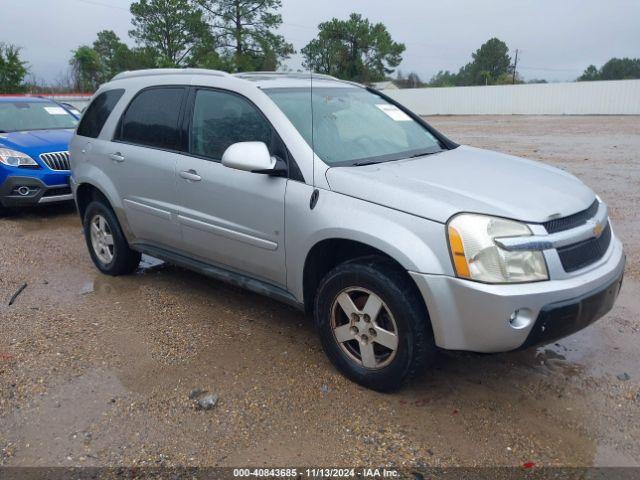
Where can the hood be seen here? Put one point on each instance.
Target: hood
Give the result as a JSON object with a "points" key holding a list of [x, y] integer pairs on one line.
{"points": [[35, 142], [466, 179]]}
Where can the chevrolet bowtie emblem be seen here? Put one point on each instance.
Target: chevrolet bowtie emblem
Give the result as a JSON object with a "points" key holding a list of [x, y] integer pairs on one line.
{"points": [[598, 229]]}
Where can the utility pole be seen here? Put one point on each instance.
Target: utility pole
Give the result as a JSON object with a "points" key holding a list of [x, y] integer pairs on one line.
{"points": [[515, 67]]}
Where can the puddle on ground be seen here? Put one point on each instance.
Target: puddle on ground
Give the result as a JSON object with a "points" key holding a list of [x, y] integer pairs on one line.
{"points": [[150, 264], [606, 348], [105, 285], [87, 288], [62, 424]]}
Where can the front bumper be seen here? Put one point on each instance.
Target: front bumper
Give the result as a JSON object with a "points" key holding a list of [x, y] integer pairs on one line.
{"points": [[473, 316], [561, 319], [38, 191]]}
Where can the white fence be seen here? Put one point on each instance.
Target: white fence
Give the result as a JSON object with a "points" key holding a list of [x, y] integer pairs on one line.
{"points": [[620, 97]]}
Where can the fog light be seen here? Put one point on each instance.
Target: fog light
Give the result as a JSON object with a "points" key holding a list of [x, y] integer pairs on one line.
{"points": [[521, 318], [24, 191]]}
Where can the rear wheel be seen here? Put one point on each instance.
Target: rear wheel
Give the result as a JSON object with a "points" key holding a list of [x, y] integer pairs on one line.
{"points": [[107, 245], [373, 324]]}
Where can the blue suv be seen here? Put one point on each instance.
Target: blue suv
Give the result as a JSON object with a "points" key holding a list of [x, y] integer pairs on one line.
{"points": [[34, 151]]}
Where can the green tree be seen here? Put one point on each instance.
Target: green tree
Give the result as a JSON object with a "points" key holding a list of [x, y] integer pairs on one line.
{"points": [[444, 78], [353, 49], [492, 57], [244, 31], [614, 69], [137, 58], [108, 56], [113, 54], [412, 80], [507, 79], [590, 74], [490, 65], [490, 62], [13, 69], [173, 28], [116, 56], [620, 69], [465, 76], [86, 69]]}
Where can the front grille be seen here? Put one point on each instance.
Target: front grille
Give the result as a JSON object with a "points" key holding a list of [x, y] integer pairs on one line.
{"points": [[56, 160], [572, 221], [579, 255]]}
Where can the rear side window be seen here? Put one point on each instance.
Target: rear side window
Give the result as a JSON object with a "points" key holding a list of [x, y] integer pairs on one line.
{"points": [[98, 112], [221, 119], [152, 118]]}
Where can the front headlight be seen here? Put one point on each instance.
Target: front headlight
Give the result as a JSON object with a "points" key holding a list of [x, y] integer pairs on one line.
{"points": [[13, 158], [476, 256]]}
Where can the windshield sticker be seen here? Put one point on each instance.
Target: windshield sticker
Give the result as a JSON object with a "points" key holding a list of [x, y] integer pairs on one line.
{"points": [[394, 112], [55, 110]]}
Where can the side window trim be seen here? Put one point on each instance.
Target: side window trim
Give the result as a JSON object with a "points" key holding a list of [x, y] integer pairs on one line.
{"points": [[187, 120], [183, 104], [294, 171]]}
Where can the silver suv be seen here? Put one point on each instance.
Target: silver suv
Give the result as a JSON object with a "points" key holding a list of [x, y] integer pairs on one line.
{"points": [[333, 198]]}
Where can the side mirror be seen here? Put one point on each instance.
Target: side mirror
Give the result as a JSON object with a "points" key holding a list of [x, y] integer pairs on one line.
{"points": [[253, 157]]}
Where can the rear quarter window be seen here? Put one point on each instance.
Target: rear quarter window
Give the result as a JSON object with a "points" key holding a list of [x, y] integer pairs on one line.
{"points": [[152, 118], [98, 112]]}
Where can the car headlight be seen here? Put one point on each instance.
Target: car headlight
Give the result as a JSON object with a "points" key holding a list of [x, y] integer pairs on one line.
{"points": [[13, 158], [476, 256]]}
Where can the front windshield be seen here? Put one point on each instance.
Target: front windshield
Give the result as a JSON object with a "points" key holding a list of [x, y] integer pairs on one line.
{"points": [[17, 116], [353, 125]]}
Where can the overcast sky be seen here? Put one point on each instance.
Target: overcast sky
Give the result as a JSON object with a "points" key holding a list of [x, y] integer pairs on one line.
{"points": [[557, 39]]}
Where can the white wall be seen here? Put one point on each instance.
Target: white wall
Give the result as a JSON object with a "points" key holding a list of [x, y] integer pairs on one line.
{"points": [[620, 97]]}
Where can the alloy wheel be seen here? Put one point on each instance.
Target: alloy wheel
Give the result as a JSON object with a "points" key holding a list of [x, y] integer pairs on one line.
{"points": [[102, 239], [364, 328]]}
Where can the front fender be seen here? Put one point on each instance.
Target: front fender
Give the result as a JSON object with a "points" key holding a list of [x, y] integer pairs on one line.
{"points": [[419, 245]]}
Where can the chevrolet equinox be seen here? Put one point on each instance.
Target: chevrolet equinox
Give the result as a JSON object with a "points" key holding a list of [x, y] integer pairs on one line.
{"points": [[332, 197]]}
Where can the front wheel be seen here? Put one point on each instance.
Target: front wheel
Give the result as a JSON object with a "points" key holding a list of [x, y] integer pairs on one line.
{"points": [[107, 244], [373, 324]]}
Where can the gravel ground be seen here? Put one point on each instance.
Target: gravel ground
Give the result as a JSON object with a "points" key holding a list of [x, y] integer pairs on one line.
{"points": [[99, 371]]}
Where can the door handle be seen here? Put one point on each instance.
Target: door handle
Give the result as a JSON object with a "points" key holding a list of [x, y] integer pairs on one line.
{"points": [[117, 157], [190, 175]]}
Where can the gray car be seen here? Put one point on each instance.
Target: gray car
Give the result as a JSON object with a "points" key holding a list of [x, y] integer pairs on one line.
{"points": [[333, 198]]}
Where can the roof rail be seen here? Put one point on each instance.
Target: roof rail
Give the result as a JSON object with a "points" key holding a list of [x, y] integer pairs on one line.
{"points": [[169, 71], [248, 75], [284, 74]]}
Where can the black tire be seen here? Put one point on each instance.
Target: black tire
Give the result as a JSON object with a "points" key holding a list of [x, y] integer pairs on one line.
{"points": [[416, 346], [125, 260]]}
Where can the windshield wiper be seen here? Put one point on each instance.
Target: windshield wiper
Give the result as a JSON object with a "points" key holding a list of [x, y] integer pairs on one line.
{"points": [[363, 164], [423, 154], [389, 158]]}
